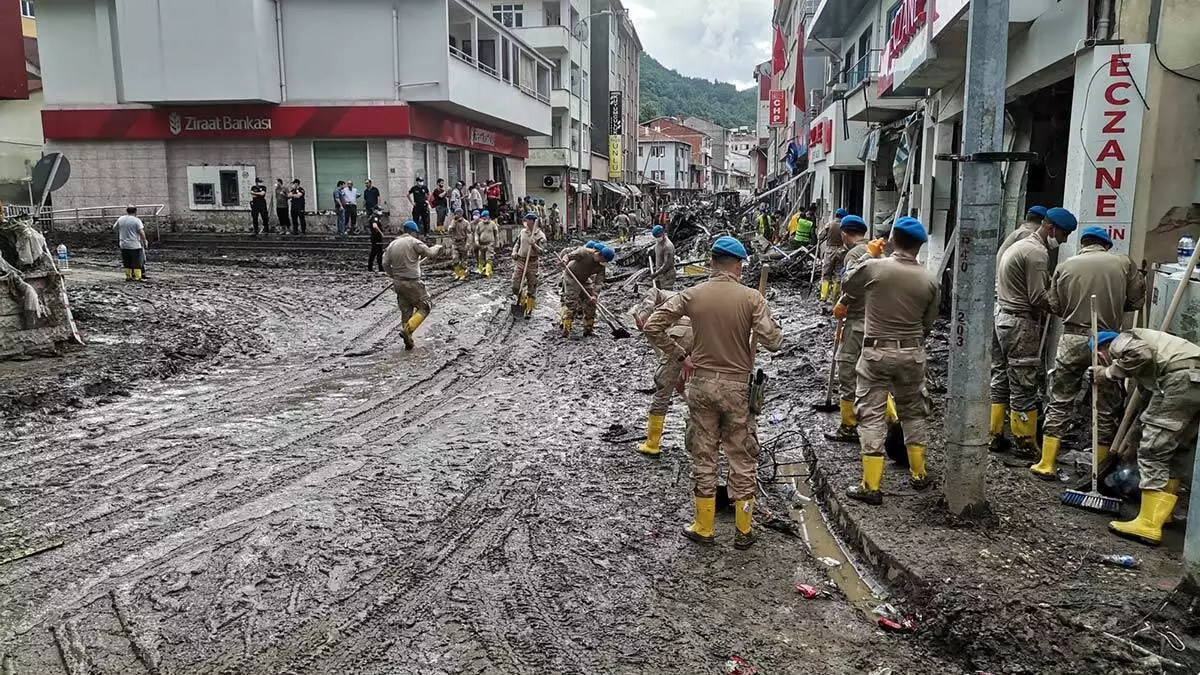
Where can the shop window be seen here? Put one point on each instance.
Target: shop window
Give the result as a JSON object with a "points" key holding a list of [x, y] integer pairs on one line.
{"points": [[334, 161], [454, 159], [214, 188], [421, 161], [512, 16]]}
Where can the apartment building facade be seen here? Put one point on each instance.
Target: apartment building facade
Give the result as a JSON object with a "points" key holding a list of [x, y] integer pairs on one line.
{"points": [[182, 105], [664, 160], [720, 149], [616, 93], [701, 144]]}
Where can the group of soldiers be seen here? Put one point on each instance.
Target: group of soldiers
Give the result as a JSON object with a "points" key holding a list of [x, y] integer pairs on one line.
{"points": [[886, 306]]}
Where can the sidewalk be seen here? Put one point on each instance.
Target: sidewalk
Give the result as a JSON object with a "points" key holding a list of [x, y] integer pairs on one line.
{"points": [[1020, 592]]}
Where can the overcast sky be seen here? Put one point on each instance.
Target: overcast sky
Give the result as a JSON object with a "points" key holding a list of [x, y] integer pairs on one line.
{"points": [[713, 39]]}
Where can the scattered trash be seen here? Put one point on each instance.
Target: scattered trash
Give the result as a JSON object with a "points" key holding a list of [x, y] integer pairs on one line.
{"points": [[776, 418], [1120, 560], [829, 562], [736, 665], [809, 592], [890, 619], [784, 525]]}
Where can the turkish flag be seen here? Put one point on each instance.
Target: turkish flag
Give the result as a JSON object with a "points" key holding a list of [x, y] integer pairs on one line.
{"points": [[800, 97], [778, 58]]}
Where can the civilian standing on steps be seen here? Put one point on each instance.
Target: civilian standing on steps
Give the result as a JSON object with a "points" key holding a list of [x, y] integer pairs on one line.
{"points": [[281, 205], [258, 206], [370, 199], [350, 204], [418, 196]]}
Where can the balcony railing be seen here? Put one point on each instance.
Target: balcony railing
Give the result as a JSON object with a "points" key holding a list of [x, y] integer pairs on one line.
{"points": [[862, 70]]}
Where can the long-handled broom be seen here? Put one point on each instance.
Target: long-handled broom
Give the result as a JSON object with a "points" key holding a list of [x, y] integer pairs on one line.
{"points": [[1092, 500]]}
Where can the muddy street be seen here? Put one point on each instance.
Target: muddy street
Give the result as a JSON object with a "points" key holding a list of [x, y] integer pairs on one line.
{"points": [[305, 496]]}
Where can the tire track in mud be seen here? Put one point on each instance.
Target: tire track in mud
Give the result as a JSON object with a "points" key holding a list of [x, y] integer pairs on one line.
{"points": [[243, 491]]}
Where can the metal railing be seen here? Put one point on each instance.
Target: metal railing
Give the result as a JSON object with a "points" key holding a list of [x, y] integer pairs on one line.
{"points": [[862, 70], [47, 215]]}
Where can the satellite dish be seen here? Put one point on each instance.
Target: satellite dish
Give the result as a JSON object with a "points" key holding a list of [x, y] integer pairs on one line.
{"points": [[44, 170]]}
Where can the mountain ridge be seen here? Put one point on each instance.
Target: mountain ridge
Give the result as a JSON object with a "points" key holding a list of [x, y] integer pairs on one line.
{"points": [[666, 92]]}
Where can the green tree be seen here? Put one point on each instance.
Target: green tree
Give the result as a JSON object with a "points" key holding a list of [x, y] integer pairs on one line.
{"points": [[666, 92]]}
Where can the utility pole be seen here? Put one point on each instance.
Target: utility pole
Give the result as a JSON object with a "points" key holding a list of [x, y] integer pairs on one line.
{"points": [[978, 231]]}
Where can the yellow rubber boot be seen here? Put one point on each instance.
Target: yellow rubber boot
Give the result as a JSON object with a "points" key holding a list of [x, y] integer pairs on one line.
{"points": [[835, 291], [589, 327], [996, 427], [128, 274], [824, 290], [868, 490], [530, 303], [919, 478], [701, 529], [892, 415], [847, 431], [479, 268], [1045, 468], [414, 322], [1171, 488], [564, 320], [654, 430], [1102, 453], [137, 275], [1157, 506], [743, 519], [1024, 431], [487, 269]]}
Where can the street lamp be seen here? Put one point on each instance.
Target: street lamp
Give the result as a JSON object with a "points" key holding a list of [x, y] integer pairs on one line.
{"points": [[577, 31]]}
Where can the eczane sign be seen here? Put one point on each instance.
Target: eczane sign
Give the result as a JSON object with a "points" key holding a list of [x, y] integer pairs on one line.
{"points": [[1103, 162]]}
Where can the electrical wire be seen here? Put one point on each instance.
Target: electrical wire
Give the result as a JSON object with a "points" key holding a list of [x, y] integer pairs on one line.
{"points": [[1154, 48]]}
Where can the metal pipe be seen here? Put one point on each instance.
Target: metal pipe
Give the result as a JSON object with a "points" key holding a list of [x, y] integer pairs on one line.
{"points": [[396, 53], [279, 50], [967, 395], [1103, 22]]}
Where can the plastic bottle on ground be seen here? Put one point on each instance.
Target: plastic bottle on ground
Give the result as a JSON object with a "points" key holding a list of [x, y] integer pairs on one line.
{"points": [[1184, 250], [62, 257]]}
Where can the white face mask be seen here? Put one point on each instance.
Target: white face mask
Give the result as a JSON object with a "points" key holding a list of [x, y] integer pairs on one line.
{"points": [[1052, 243]]}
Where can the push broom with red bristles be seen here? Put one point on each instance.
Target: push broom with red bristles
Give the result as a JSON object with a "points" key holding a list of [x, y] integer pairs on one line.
{"points": [[1092, 500]]}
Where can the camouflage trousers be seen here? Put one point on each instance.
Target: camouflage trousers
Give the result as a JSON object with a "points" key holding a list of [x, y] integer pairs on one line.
{"points": [[525, 278], [847, 358], [1016, 361], [666, 280], [411, 296], [483, 254], [461, 254], [719, 420], [577, 301], [666, 378], [832, 265], [900, 371], [1167, 422], [1071, 363]]}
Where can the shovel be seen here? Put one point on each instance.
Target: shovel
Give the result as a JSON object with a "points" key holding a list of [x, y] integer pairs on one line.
{"points": [[829, 405], [618, 330]]}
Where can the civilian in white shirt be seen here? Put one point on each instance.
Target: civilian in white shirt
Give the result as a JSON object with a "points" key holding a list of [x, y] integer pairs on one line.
{"points": [[131, 237], [350, 205]]}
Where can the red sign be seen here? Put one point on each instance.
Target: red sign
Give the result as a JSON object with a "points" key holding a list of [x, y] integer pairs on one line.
{"points": [[777, 108], [264, 121], [14, 83], [820, 135], [908, 20]]}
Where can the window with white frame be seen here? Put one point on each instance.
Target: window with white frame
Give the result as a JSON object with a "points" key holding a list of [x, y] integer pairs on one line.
{"points": [[27, 8], [512, 16], [658, 175], [658, 151]]}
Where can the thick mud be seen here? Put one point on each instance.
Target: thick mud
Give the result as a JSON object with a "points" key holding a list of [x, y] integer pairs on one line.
{"points": [[274, 485]]}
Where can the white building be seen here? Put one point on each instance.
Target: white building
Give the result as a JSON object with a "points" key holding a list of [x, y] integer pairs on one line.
{"points": [[665, 160], [183, 104], [560, 31]]}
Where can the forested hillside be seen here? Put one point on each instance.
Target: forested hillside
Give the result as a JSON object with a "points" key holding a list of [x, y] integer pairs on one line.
{"points": [[666, 92]]}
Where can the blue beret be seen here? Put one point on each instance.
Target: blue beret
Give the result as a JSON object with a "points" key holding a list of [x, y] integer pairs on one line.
{"points": [[727, 245], [841, 213], [411, 226], [594, 245], [1062, 219], [912, 227], [853, 224], [1097, 232], [475, 213], [656, 230], [607, 253], [1105, 337], [1037, 210], [484, 214], [530, 216]]}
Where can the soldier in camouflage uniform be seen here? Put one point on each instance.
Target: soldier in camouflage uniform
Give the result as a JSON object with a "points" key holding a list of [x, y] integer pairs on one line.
{"points": [[1022, 282], [835, 252], [901, 304], [1034, 218], [485, 237], [402, 262], [667, 375], [724, 313], [663, 254], [1168, 367], [1119, 287], [460, 233], [530, 242], [585, 266], [854, 231]]}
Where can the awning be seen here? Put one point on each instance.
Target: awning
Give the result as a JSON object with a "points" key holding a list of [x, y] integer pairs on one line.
{"points": [[613, 187], [582, 189], [633, 190]]}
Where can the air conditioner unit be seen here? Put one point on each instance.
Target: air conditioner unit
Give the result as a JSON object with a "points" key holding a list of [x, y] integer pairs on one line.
{"points": [[552, 180]]}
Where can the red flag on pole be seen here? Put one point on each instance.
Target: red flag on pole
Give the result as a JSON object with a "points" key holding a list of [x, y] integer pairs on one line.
{"points": [[778, 57], [800, 97]]}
